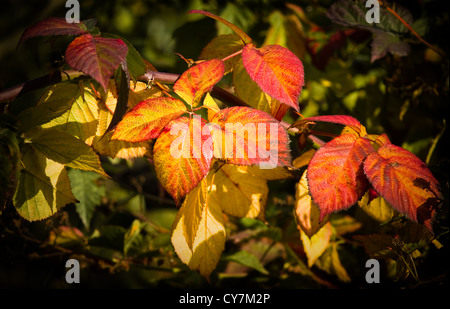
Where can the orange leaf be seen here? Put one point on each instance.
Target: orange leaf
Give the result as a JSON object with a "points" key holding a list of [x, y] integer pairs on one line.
{"points": [[147, 119], [276, 70], [181, 161], [404, 181], [250, 136], [335, 173], [197, 80]]}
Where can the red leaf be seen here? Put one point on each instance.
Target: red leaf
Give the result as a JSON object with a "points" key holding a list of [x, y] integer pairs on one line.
{"points": [[181, 160], [276, 70], [148, 118], [197, 80], [250, 136], [404, 181], [53, 26], [335, 173], [96, 56]]}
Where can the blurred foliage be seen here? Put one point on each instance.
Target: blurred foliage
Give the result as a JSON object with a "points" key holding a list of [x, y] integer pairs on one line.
{"points": [[121, 231]]}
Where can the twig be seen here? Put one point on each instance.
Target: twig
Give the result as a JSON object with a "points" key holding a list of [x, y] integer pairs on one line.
{"points": [[411, 29]]}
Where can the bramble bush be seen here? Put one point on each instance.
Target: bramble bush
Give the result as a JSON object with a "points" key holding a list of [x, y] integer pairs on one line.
{"points": [[283, 162]]}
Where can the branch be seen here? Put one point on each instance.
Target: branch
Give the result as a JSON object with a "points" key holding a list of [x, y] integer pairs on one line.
{"points": [[150, 76]]}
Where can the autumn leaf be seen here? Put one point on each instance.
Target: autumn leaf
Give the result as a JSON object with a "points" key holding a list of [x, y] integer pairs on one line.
{"points": [[211, 105], [348, 121], [53, 26], [316, 245], [180, 157], [53, 103], [335, 173], [96, 56], [65, 149], [43, 187], [221, 47], [404, 181], [249, 91], [198, 233], [193, 83], [276, 70], [250, 136], [147, 119], [240, 192], [306, 212], [81, 119], [103, 144]]}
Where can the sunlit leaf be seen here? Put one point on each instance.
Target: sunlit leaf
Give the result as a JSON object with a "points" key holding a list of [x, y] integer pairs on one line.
{"points": [[103, 144], [404, 181], [331, 263], [180, 157], [316, 245], [193, 83], [250, 136], [306, 212], [43, 187], [377, 208], [96, 56], [55, 101], [65, 149], [276, 70], [198, 234], [211, 105], [335, 173], [221, 47], [81, 119], [239, 192], [147, 119]]}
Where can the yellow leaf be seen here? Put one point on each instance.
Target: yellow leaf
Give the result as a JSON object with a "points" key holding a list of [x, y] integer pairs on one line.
{"points": [[211, 105], [115, 148], [240, 192], [330, 263], [81, 119], [378, 208], [199, 234], [316, 245], [43, 187], [306, 211]]}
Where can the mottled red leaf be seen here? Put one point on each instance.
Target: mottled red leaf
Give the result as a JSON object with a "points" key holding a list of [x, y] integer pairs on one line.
{"points": [[250, 136], [404, 181], [96, 56], [148, 118], [53, 26], [197, 80], [336, 178], [276, 70], [182, 156]]}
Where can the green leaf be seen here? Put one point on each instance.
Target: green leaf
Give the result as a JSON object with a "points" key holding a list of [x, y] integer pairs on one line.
{"points": [[87, 192], [43, 187], [53, 103], [247, 259], [65, 149]]}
